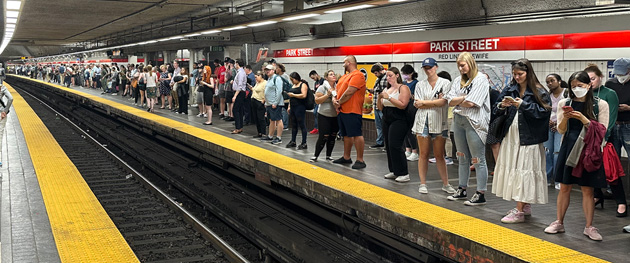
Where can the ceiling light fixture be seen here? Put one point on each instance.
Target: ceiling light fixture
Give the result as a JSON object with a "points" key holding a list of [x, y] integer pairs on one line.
{"points": [[177, 37], [234, 28], [262, 23], [163, 39], [210, 32], [12, 20], [193, 35], [14, 5], [13, 14], [350, 8], [10, 25], [292, 18]]}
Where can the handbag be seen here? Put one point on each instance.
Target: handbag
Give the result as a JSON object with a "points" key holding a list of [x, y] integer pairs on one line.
{"points": [[497, 127]]}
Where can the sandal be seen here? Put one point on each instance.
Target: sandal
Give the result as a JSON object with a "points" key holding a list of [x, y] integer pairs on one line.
{"points": [[236, 131], [205, 123]]}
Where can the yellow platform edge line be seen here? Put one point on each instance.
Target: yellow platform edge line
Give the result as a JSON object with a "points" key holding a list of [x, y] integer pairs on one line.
{"points": [[81, 228], [511, 242]]}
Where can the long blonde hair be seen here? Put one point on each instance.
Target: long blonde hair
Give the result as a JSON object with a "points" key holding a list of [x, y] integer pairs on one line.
{"points": [[472, 73]]}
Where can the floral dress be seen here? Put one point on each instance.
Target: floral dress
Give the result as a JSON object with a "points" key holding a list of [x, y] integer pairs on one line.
{"points": [[165, 85]]}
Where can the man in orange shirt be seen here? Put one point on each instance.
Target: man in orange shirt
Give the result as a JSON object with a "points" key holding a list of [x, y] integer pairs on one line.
{"points": [[349, 103]]}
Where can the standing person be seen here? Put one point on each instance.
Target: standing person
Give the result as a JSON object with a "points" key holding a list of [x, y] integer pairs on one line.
{"points": [[151, 80], [230, 74], [410, 78], [142, 85], [431, 123], [556, 87], [318, 81], [199, 97], [581, 111], [220, 71], [165, 87], [124, 81], [274, 104], [621, 129], [327, 116], [183, 90], [297, 109], [471, 116], [349, 103], [4, 110], [381, 84], [258, 105], [208, 86], [251, 82], [239, 86], [280, 71], [520, 170], [176, 72], [393, 103]]}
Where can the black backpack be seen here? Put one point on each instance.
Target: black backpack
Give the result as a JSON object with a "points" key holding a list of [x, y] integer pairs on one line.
{"points": [[286, 87], [310, 98]]}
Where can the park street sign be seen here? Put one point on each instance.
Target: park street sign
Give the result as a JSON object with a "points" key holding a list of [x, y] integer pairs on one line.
{"points": [[222, 36]]}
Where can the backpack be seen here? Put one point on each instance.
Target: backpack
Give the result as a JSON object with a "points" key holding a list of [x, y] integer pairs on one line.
{"points": [[310, 99], [286, 87]]}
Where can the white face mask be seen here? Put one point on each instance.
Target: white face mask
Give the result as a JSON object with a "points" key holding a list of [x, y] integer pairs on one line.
{"points": [[579, 91], [623, 79]]}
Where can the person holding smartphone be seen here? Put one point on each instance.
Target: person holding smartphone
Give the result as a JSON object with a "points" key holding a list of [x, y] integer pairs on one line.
{"points": [[520, 174]]}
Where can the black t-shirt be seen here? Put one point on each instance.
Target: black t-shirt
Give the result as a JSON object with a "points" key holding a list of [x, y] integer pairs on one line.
{"points": [[318, 83], [623, 93]]}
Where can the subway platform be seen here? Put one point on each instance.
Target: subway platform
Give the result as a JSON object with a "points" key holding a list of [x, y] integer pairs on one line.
{"points": [[463, 233]]}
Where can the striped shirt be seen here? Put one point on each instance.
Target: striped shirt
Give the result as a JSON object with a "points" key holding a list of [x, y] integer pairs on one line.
{"points": [[478, 93], [437, 116]]}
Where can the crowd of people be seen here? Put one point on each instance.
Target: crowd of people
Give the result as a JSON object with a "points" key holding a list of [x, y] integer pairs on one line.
{"points": [[564, 134]]}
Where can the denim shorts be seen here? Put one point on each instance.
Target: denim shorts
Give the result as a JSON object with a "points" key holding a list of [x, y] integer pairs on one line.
{"points": [[425, 132]]}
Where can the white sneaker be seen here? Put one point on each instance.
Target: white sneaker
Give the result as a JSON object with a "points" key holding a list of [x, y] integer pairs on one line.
{"points": [[432, 160], [448, 188], [407, 154], [423, 189], [200, 115], [205, 115], [412, 157], [449, 161], [390, 176], [557, 186], [402, 179]]}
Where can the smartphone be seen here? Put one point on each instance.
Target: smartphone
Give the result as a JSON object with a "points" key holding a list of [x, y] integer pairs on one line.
{"points": [[567, 108], [508, 98]]}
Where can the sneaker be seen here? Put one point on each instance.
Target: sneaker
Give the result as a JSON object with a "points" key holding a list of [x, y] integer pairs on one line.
{"points": [[377, 146], [514, 216], [266, 138], [412, 157], [403, 179], [329, 158], [285, 129], [113, 94], [592, 233], [557, 186], [302, 146], [423, 189], [314, 131], [390, 176], [276, 141], [458, 195], [432, 160], [626, 229], [448, 188], [341, 160], [407, 154], [555, 227], [449, 161], [313, 159], [200, 115], [358, 165], [527, 210], [205, 115], [291, 145], [477, 199]]}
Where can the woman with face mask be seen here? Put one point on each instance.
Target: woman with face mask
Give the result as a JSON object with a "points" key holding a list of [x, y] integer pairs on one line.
{"points": [[519, 174], [580, 110], [410, 78]]}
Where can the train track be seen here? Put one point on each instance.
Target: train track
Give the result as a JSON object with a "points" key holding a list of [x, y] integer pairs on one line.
{"points": [[265, 224]]}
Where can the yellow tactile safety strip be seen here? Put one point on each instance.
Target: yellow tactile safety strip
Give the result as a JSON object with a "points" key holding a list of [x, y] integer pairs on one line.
{"points": [[522, 246], [82, 229]]}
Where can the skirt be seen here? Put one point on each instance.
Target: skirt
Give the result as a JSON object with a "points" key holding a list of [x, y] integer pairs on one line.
{"points": [[520, 171], [152, 92]]}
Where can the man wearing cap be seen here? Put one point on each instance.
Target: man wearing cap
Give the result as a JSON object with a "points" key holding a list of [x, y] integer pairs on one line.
{"points": [[621, 85], [274, 104]]}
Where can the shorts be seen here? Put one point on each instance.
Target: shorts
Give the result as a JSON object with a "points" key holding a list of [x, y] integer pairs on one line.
{"points": [[142, 87], [274, 114], [222, 91], [229, 94], [425, 132], [350, 124], [208, 95], [200, 97]]}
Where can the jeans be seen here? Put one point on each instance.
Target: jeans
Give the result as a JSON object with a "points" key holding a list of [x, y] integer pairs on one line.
{"points": [[470, 146], [378, 121], [285, 116], [620, 136], [315, 114], [552, 147]]}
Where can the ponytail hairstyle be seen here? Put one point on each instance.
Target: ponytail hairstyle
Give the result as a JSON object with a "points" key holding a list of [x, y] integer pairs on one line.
{"points": [[408, 70], [583, 77], [533, 84]]}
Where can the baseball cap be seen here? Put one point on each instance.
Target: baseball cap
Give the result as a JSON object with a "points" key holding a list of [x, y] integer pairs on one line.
{"points": [[621, 66], [269, 66], [429, 62]]}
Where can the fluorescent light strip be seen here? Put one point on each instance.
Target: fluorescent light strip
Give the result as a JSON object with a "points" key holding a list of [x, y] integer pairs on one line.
{"points": [[234, 28], [299, 17], [193, 35], [356, 7], [10, 25], [163, 39], [177, 37], [210, 32], [262, 23], [12, 20], [12, 14], [14, 5]]}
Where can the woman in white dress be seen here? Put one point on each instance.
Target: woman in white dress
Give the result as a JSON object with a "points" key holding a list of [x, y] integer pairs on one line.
{"points": [[520, 171], [431, 123]]}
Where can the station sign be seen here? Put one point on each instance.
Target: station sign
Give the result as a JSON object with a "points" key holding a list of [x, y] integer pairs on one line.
{"points": [[222, 36]]}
